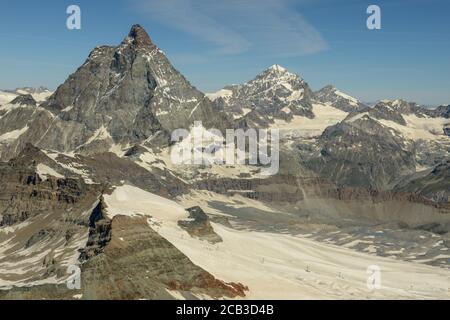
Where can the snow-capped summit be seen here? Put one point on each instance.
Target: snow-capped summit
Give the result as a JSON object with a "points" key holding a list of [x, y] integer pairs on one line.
{"points": [[139, 36], [275, 92]]}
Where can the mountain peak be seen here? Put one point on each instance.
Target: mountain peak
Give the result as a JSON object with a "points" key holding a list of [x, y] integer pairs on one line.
{"points": [[139, 36], [275, 72], [328, 87], [24, 99], [278, 68]]}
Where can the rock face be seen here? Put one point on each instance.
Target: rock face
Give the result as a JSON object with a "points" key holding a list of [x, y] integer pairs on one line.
{"points": [[139, 263], [47, 219], [276, 93], [124, 94], [385, 111], [361, 152], [332, 96], [26, 99]]}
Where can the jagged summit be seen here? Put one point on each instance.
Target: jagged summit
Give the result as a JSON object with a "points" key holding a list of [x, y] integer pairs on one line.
{"points": [[276, 71], [121, 95], [139, 36]]}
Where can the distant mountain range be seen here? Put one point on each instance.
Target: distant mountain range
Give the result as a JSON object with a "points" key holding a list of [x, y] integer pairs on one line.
{"points": [[87, 181]]}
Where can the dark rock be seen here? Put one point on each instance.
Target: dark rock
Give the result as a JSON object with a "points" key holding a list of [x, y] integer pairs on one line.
{"points": [[25, 99], [199, 226]]}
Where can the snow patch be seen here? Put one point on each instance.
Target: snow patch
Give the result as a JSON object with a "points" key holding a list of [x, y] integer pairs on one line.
{"points": [[13, 135], [43, 171]]}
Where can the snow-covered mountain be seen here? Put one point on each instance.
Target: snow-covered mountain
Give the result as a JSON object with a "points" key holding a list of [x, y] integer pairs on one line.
{"points": [[89, 181], [338, 99], [120, 96], [39, 94], [341, 138], [275, 92]]}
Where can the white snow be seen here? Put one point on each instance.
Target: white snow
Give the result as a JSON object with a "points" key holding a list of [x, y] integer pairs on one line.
{"points": [[224, 93], [6, 97], [278, 68], [43, 171], [99, 134], [131, 201], [282, 266]]}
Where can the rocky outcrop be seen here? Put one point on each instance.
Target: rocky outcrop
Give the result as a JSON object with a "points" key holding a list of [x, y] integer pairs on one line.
{"points": [[137, 263], [44, 221], [24, 194], [198, 225], [433, 185], [99, 233], [120, 95], [439, 112], [139, 36]]}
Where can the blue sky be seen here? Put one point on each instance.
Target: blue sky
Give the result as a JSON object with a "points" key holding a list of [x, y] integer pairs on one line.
{"points": [[214, 43]]}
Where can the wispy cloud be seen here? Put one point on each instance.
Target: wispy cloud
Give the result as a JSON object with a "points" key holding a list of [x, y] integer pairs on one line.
{"points": [[273, 27]]}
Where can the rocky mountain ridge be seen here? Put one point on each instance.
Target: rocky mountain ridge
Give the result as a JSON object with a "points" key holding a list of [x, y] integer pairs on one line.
{"points": [[87, 180]]}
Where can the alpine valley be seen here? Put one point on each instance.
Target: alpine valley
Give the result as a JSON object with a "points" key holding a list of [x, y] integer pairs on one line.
{"points": [[87, 180]]}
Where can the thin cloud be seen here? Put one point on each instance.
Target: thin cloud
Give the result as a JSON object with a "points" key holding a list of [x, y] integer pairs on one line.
{"points": [[273, 27]]}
